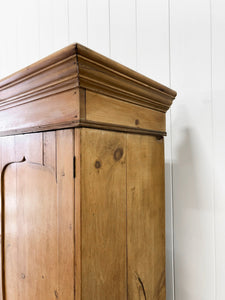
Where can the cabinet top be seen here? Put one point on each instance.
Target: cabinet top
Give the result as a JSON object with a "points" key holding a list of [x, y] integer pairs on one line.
{"points": [[77, 67]]}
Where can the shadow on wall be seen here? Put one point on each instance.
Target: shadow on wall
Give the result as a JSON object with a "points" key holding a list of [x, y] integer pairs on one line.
{"points": [[191, 211]]}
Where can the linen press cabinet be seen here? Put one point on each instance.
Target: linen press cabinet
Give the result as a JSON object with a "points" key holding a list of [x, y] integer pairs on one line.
{"points": [[82, 180]]}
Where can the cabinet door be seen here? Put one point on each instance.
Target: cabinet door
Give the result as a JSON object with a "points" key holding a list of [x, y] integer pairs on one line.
{"points": [[145, 218], [37, 201]]}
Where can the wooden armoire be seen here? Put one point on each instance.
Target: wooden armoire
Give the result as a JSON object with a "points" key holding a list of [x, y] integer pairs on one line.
{"points": [[82, 180]]}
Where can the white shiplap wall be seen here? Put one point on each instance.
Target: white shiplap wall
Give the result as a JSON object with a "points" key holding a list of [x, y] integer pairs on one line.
{"points": [[181, 44]]}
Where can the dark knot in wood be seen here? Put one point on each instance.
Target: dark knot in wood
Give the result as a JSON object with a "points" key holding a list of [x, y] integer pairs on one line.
{"points": [[118, 154], [97, 164]]}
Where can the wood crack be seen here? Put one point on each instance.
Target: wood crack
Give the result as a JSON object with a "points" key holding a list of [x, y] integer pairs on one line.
{"points": [[141, 288]]}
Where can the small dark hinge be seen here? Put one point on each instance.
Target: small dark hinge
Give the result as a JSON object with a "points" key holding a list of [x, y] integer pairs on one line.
{"points": [[74, 166]]}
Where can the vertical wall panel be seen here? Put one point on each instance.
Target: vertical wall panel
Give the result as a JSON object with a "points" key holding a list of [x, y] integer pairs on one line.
{"points": [[46, 27], [218, 63], [8, 38], [27, 32], [192, 150], [153, 39], [61, 24], [98, 26], [54, 26], [123, 32], [3, 36], [78, 21]]}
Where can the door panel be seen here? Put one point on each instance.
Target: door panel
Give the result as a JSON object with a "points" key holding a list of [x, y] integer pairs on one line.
{"points": [[30, 223], [37, 201]]}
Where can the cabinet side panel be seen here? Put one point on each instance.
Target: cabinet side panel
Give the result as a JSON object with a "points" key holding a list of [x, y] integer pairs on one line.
{"points": [[103, 213], [145, 218]]}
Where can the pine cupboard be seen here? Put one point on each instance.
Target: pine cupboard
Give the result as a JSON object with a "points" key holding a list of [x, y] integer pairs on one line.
{"points": [[82, 180]]}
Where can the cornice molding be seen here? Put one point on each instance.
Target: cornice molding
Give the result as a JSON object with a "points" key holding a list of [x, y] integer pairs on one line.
{"points": [[100, 74], [77, 66], [52, 75]]}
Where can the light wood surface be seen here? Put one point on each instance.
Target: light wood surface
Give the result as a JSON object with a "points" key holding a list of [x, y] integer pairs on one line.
{"points": [[37, 195], [52, 112], [51, 94], [78, 215], [82, 210], [145, 218], [119, 216], [103, 215], [109, 242], [122, 113], [78, 66]]}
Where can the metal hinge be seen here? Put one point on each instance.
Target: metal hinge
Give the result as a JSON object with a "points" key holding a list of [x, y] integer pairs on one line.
{"points": [[74, 166]]}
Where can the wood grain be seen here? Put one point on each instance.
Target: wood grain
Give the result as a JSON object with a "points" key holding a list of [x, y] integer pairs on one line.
{"points": [[53, 112], [99, 73], [89, 226], [78, 66], [29, 146], [103, 109], [49, 149], [65, 208], [51, 94], [30, 232], [78, 217], [103, 215], [7, 155], [38, 216], [34, 73], [145, 218]]}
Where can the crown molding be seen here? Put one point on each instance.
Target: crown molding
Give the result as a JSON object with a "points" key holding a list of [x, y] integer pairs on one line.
{"points": [[100, 74], [78, 66], [51, 94]]}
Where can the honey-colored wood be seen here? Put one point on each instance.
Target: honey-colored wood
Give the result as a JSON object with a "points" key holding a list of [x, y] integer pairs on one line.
{"points": [[7, 155], [122, 113], [78, 215], [49, 149], [30, 232], [51, 94], [53, 112], [65, 208], [145, 218], [31, 147], [103, 215], [78, 66], [38, 216], [82, 180]]}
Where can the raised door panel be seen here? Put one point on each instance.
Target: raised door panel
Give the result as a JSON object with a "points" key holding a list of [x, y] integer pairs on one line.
{"points": [[30, 223], [145, 218], [37, 201]]}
